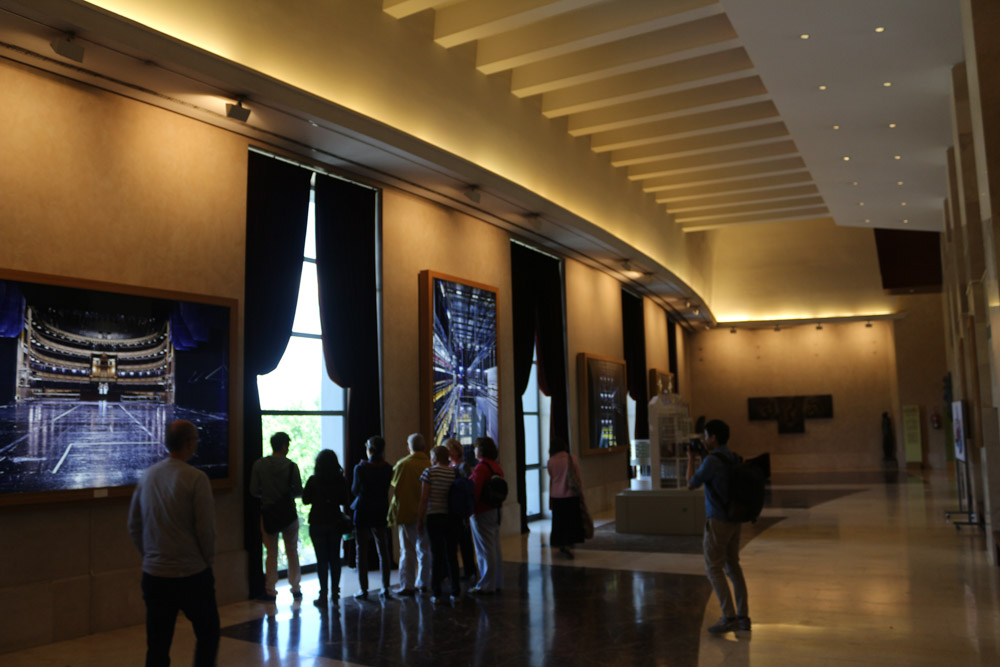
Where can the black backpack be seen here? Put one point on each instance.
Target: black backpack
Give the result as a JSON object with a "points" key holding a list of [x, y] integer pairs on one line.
{"points": [[495, 490], [742, 488]]}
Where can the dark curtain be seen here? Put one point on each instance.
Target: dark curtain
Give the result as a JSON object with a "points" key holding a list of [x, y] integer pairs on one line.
{"points": [[634, 337], [277, 207], [346, 266], [538, 323], [672, 352]]}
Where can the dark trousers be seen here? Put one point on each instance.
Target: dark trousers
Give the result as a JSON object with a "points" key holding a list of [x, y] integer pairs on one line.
{"points": [[443, 531], [381, 536], [465, 546], [326, 542], [195, 596]]}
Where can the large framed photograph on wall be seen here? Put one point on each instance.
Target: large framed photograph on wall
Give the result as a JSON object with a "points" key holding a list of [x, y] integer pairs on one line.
{"points": [[459, 360], [602, 391], [90, 375]]}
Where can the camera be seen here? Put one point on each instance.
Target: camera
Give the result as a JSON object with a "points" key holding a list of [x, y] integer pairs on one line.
{"points": [[697, 447]]}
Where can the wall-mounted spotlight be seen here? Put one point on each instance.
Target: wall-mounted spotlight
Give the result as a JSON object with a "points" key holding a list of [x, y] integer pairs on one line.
{"points": [[777, 327], [732, 330], [473, 194], [67, 48], [819, 327], [630, 271], [868, 324], [237, 111], [696, 310]]}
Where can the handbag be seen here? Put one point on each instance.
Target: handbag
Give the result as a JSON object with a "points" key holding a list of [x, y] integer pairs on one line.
{"points": [[574, 485], [282, 513]]}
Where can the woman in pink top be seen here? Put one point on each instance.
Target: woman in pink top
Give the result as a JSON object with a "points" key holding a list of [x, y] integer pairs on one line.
{"points": [[564, 497]]}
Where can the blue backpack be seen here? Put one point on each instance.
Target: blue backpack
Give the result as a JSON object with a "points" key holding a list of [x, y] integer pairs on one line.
{"points": [[461, 496]]}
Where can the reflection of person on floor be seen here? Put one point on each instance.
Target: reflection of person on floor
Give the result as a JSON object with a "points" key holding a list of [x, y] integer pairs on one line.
{"points": [[272, 479], [370, 487], [722, 538], [564, 497], [414, 546], [172, 524], [327, 492], [457, 455]]}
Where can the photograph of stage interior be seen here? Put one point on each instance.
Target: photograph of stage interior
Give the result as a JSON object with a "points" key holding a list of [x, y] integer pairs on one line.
{"points": [[775, 179]]}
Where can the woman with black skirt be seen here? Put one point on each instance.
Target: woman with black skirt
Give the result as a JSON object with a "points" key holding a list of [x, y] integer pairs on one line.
{"points": [[329, 496], [565, 489]]}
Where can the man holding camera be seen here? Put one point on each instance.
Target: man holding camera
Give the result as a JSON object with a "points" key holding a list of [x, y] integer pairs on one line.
{"points": [[722, 537]]}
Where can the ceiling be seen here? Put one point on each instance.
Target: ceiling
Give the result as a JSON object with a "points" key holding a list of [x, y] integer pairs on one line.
{"points": [[712, 108], [715, 108]]}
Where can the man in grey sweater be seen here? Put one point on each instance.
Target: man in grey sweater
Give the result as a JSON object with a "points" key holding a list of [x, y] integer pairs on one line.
{"points": [[272, 479], [172, 524]]}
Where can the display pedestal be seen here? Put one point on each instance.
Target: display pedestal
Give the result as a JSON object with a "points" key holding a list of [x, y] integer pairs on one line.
{"points": [[660, 512]]}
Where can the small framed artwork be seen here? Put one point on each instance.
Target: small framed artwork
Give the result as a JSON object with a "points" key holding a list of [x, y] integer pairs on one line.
{"points": [[459, 361], [602, 392], [660, 382]]}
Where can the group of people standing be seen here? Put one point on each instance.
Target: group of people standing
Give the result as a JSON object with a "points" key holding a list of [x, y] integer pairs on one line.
{"points": [[414, 495]]}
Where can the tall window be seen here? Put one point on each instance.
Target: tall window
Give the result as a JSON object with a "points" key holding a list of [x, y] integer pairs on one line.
{"points": [[298, 396], [536, 443]]}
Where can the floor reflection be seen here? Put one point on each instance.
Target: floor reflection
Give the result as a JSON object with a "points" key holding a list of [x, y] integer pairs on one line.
{"points": [[547, 615]]}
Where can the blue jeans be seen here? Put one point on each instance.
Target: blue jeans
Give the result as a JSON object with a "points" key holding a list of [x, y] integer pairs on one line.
{"points": [[195, 596]]}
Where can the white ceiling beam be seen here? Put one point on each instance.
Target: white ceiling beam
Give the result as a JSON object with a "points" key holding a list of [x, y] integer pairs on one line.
{"points": [[479, 19], [745, 115], [599, 24], [703, 142], [717, 174], [662, 107], [732, 156], [669, 194], [400, 9], [712, 68], [797, 215], [679, 42], [773, 194], [744, 210]]}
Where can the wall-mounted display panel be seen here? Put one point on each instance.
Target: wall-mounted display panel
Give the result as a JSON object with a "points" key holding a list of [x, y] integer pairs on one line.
{"points": [[459, 366], [660, 382], [90, 375], [602, 391]]}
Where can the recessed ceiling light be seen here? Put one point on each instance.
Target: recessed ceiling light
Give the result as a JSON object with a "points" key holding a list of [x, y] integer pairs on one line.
{"points": [[880, 29], [836, 127], [897, 157], [861, 203], [899, 182], [847, 158], [867, 219], [892, 125], [854, 182], [905, 221], [804, 35], [887, 83], [822, 87], [902, 203]]}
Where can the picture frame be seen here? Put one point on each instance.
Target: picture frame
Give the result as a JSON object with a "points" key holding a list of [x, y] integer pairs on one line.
{"points": [[602, 388], [91, 373], [660, 379], [459, 359]]}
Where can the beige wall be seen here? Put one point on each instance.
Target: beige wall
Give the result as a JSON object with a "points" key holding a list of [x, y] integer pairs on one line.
{"points": [[657, 349], [97, 187], [850, 361]]}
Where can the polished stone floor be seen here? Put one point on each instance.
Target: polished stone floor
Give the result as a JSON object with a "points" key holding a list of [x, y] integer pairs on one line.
{"points": [[876, 576]]}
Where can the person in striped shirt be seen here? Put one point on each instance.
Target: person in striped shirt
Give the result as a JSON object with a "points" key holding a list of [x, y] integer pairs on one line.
{"points": [[441, 526]]}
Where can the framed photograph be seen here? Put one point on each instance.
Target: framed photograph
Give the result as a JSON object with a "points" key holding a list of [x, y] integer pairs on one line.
{"points": [[958, 424], [459, 367], [660, 382], [602, 393], [90, 375]]}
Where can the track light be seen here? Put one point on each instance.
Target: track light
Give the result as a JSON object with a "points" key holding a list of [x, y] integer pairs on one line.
{"points": [[472, 194], [67, 48], [777, 327], [819, 327], [238, 111], [732, 330], [868, 324]]}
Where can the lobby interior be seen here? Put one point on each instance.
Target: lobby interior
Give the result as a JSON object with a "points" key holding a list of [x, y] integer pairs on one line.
{"points": [[799, 193]]}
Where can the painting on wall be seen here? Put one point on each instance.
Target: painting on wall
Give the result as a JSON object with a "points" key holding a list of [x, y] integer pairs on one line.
{"points": [[660, 382], [91, 374], [602, 389], [958, 424], [459, 368], [790, 411]]}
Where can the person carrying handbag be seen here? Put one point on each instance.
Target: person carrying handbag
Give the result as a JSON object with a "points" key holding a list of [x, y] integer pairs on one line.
{"points": [[571, 522], [276, 481]]}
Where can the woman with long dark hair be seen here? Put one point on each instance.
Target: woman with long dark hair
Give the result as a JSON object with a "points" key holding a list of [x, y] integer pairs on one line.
{"points": [[565, 489], [326, 490]]}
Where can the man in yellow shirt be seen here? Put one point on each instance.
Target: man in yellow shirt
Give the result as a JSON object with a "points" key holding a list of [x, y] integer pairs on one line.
{"points": [[414, 546]]}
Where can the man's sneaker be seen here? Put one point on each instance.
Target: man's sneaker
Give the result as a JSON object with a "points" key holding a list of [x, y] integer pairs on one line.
{"points": [[742, 623], [724, 625]]}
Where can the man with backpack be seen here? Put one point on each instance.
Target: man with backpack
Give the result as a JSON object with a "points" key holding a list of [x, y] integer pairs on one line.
{"points": [[722, 533]]}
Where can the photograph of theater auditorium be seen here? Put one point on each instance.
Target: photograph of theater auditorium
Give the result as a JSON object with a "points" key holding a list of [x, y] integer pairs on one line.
{"points": [[465, 362], [89, 380]]}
